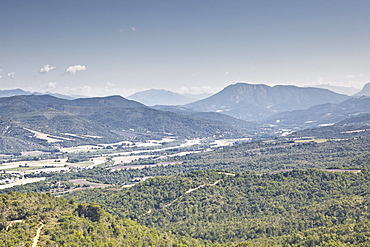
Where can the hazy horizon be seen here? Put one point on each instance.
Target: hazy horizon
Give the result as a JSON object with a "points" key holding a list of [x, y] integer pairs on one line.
{"points": [[99, 48]]}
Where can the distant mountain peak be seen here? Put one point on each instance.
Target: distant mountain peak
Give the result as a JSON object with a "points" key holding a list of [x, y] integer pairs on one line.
{"points": [[257, 101], [153, 97], [19, 92], [365, 91], [111, 101], [13, 92]]}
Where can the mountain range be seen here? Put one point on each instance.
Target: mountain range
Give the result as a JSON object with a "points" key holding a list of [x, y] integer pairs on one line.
{"points": [[322, 115], [18, 92], [96, 120], [114, 118], [164, 97], [258, 101]]}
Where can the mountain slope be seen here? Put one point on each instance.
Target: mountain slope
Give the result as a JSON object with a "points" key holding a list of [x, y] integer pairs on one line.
{"points": [[13, 92], [254, 102], [321, 115], [160, 97], [215, 116], [365, 91], [147, 119], [94, 120]]}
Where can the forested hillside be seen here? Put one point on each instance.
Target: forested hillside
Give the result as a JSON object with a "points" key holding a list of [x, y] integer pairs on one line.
{"points": [[66, 223], [225, 207]]}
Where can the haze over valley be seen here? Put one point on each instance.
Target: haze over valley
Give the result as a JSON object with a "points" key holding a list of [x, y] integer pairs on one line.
{"points": [[184, 123]]}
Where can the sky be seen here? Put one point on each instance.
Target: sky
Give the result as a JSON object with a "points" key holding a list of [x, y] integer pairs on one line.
{"points": [[99, 48]]}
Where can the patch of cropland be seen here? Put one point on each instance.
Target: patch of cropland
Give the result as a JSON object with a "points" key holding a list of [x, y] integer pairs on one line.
{"points": [[259, 157], [279, 155], [347, 128], [43, 220]]}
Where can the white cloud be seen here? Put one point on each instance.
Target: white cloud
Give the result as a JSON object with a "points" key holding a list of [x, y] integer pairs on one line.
{"points": [[133, 29], [351, 81], [46, 69], [109, 85], [108, 88], [199, 90], [73, 69], [354, 76], [52, 84], [11, 74]]}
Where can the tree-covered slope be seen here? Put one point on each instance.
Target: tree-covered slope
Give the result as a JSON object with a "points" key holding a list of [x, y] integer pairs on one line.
{"points": [[224, 207], [65, 223]]}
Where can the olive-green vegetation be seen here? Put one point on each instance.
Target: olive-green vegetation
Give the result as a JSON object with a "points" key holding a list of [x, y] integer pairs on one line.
{"points": [[41, 187], [65, 223], [297, 208], [278, 155]]}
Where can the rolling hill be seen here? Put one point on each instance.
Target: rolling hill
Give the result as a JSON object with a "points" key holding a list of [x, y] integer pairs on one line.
{"points": [[100, 119], [321, 115]]}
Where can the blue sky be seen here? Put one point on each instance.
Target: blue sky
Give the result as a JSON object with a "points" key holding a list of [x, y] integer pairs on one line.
{"points": [[109, 47]]}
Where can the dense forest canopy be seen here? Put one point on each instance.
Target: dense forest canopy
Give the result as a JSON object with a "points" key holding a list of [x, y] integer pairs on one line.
{"points": [[232, 207], [66, 223]]}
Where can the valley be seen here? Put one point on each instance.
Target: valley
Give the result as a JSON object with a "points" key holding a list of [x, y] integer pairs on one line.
{"points": [[207, 123], [150, 153], [194, 178]]}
